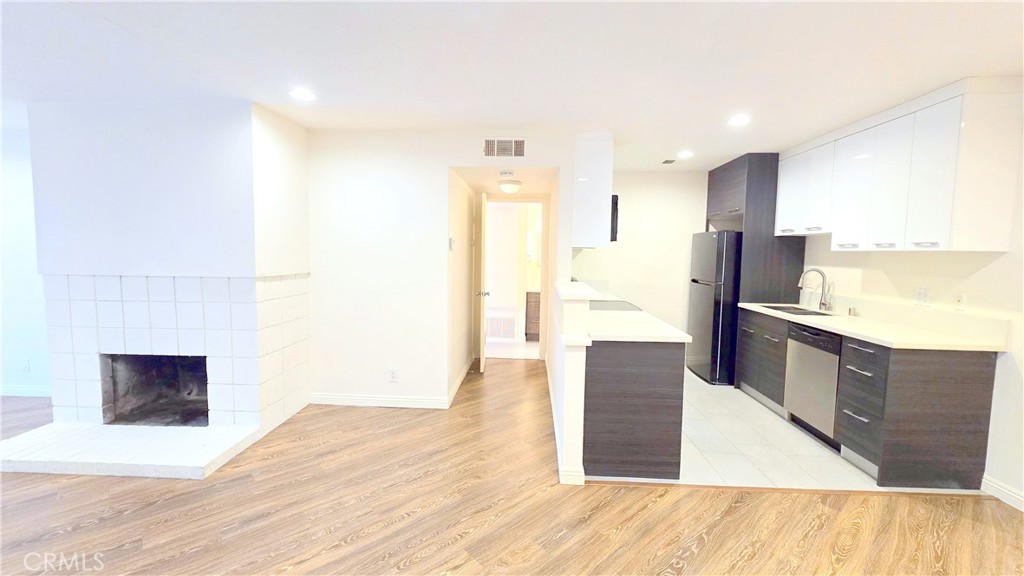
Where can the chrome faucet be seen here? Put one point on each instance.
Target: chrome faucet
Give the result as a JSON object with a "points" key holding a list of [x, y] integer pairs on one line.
{"points": [[823, 304]]}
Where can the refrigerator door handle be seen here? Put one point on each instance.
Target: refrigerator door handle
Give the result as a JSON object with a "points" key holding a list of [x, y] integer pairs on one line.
{"points": [[703, 282]]}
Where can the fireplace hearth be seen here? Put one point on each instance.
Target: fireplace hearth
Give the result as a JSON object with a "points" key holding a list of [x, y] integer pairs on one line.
{"points": [[154, 390]]}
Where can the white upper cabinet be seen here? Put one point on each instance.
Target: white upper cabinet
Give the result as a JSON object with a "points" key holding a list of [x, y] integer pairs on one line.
{"points": [[852, 181], [804, 201], [933, 176], [592, 190]]}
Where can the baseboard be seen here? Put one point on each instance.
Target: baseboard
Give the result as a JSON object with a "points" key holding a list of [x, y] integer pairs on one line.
{"points": [[378, 401], [21, 390], [576, 477], [1003, 491], [453, 390]]}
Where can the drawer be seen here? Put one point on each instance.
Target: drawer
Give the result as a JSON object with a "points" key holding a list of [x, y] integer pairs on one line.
{"points": [[861, 352], [863, 385], [764, 321], [636, 356], [859, 431]]}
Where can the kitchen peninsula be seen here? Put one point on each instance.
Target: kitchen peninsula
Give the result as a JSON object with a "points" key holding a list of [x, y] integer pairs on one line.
{"points": [[632, 375]]}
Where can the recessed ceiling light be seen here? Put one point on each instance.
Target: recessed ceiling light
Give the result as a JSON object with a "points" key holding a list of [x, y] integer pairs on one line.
{"points": [[684, 154], [739, 120], [302, 94]]}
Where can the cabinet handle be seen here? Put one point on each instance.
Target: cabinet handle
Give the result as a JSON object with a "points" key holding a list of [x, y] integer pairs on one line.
{"points": [[770, 338], [925, 244], [733, 210], [862, 349], [861, 418], [787, 230], [746, 329], [861, 372], [847, 245], [885, 244], [715, 213], [812, 228]]}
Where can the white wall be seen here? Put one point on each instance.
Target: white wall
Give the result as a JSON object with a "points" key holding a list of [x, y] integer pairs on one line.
{"points": [[280, 194], [378, 244], [461, 297], [116, 183], [994, 284], [24, 361], [649, 265]]}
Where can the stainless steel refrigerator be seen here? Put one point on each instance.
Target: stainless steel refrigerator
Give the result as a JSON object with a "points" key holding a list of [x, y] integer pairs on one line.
{"points": [[714, 293]]}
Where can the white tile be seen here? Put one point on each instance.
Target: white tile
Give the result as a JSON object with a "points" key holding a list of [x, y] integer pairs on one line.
{"points": [[269, 313], [219, 370], [62, 366], [62, 393], [216, 290], [221, 397], [222, 418], [58, 313], [89, 393], [707, 438], [86, 340], [161, 289], [112, 341], [737, 430], [108, 288], [245, 371], [243, 289], [736, 470], [247, 398], [270, 339], [188, 290], [90, 415], [218, 342], [778, 467], [293, 357], [83, 313], [162, 315], [695, 469], [165, 342], [136, 314], [833, 473], [191, 343], [244, 343], [55, 287], [58, 339], [217, 315], [65, 414], [243, 316], [271, 366], [134, 289], [87, 366], [81, 288], [137, 341], [190, 315], [110, 314]]}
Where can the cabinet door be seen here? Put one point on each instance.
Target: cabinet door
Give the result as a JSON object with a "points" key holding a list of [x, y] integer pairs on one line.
{"points": [[789, 204], [592, 191], [932, 176], [727, 186], [887, 217], [852, 184], [746, 356], [817, 193], [771, 367]]}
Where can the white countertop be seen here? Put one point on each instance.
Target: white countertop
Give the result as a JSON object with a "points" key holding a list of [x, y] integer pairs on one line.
{"points": [[882, 333], [619, 325]]}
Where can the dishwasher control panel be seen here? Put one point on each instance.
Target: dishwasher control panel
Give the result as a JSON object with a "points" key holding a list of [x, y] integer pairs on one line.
{"points": [[826, 341]]}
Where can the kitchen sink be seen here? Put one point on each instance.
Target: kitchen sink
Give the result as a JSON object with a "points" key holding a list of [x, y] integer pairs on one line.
{"points": [[795, 310]]}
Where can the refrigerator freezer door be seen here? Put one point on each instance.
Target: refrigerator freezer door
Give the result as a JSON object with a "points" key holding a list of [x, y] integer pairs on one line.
{"points": [[705, 257]]}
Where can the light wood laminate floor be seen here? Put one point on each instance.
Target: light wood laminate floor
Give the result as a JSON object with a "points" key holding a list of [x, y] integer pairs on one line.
{"points": [[473, 489]]}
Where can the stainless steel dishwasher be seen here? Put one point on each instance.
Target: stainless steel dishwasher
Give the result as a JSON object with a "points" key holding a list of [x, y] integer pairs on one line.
{"points": [[812, 374]]}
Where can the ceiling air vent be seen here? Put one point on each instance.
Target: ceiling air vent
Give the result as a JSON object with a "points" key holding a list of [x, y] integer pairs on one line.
{"points": [[504, 147], [669, 161]]}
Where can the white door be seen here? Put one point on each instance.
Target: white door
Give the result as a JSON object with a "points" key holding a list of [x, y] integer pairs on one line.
{"points": [[932, 176], [817, 196], [887, 218], [482, 282], [852, 183], [788, 205]]}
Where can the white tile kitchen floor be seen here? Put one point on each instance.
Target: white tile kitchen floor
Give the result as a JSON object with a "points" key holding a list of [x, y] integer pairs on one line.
{"points": [[730, 439]]}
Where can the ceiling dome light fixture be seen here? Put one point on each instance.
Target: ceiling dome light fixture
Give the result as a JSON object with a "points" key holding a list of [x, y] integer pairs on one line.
{"points": [[684, 154], [509, 186], [302, 94], [738, 120]]}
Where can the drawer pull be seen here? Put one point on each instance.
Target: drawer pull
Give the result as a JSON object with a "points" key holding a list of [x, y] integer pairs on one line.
{"points": [[861, 418], [862, 372], [885, 244], [926, 244], [787, 230], [855, 347], [715, 213], [733, 210], [745, 329], [851, 245], [767, 337], [812, 228]]}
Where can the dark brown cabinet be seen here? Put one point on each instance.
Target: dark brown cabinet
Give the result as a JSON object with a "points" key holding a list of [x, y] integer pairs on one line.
{"points": [[920, 416], [727, 190], [761, 354]]}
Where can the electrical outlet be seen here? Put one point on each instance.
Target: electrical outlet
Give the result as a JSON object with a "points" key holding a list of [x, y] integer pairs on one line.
{"points": [[959, 300], [393, 375], [26, 365], [922, 297]]}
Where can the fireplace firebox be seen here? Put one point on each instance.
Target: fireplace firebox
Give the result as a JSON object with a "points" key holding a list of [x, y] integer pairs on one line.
{"points": [[154, 390]]}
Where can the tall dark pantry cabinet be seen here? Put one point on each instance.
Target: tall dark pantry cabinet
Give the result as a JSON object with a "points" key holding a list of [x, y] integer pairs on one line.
{"points": [[741, 197]]}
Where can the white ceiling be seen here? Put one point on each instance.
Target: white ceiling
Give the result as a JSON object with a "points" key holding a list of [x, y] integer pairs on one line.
{"points": [[662, 76], [536, 181]]}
